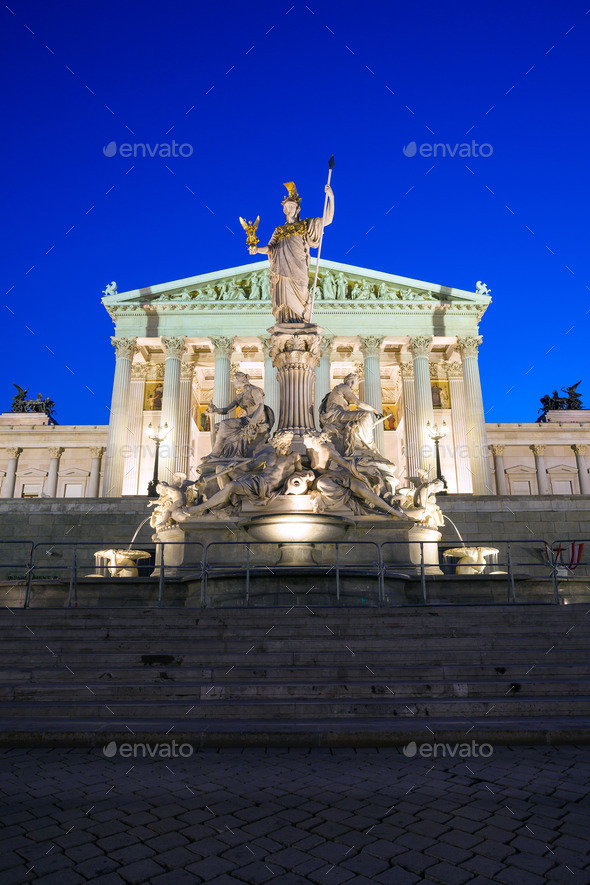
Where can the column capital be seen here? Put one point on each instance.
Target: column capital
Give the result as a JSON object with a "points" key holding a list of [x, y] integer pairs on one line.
{"points": [[125, 348], [469, 345], [496, 450], [406, 370], [173, 346], [420, 345], [139, 371], [223, 346], [326, 345], [371, 345], [454, 369], [266, 343], [579, 449], [186, 371], [537, 450], [97, 451], [14, 452], [55, 451]]}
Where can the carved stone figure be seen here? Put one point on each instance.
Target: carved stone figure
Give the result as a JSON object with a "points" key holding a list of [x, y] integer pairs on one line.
{"points": [[288, 253], [482, 289], [384, 292], [329, 286], [363, 292], [236, 437], [341, 287], [265, 285], [278, 462], [419, 503], [354, 427], [111, 289], [347, 481], [255, 287], [172, 497]]}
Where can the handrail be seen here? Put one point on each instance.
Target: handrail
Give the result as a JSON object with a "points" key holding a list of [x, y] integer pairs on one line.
{"points": [[384, 564]]}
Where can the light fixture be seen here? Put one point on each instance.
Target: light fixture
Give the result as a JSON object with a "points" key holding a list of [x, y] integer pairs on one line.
{"points": [[157, 434]]}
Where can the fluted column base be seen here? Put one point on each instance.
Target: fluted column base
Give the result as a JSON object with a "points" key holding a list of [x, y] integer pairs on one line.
{"points": [[295, 354]]}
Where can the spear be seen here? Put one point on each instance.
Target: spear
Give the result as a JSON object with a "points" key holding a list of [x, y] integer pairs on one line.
{"points": [[317, 266]]}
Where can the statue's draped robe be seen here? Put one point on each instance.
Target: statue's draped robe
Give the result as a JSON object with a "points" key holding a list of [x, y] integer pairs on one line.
{"points": [[289, 271]]}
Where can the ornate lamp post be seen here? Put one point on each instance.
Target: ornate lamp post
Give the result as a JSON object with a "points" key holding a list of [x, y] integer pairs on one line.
{"points": [[436, 434], [158, 435]]}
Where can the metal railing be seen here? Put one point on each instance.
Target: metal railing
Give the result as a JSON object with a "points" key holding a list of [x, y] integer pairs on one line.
{"points": [[392, 573]]}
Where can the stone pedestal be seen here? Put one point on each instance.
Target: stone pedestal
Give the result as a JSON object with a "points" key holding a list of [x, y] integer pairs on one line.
{"points": [[295, 352], [174, 555]]}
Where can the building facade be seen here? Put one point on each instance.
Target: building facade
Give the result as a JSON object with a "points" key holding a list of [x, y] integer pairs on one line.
{"points": [[414, 346]]}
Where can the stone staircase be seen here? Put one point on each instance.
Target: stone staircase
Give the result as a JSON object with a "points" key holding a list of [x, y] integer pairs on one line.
{"points": [[295, 676]]}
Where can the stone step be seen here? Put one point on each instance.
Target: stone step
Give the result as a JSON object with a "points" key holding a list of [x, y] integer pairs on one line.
{"points": [[323, 657], [234, 614], [260, 708], [326, 643], [316, 732], [286, 628], [169, 690], [141, 675]]}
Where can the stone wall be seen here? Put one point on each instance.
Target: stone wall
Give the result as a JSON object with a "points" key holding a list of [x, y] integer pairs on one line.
{"points": [[113, 521], [517, 517]]}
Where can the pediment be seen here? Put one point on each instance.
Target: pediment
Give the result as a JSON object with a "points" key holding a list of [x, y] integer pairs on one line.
{"points": [[32, 472], [340, 287], [521, 468]]}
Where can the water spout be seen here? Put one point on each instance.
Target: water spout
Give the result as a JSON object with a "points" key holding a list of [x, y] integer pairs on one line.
{"points": [[141, 524], [447, 517]]}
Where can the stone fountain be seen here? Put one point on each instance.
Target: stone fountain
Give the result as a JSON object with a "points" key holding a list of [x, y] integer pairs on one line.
{"points": [[303, 485]]}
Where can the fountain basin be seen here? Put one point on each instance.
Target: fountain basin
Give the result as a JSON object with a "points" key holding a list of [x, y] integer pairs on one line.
{"points": [[120, 563], [296, 533]]}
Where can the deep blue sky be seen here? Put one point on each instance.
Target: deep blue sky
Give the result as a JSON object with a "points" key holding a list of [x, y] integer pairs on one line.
{"points": [[274, 89]]}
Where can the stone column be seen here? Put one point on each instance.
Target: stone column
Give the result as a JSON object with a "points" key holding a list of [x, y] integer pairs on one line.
{"points": [[135, 441], [476, 422], [174, 348], [419, 348], [222, 379], [459, 420], [55, 454], [94, 479], [271, 385], [322, 375], [580, 453], [409, 414], [296, 356], [184, 418], [539, 453], [371, 350], [10, 478], [498, 455], [117, 436]]}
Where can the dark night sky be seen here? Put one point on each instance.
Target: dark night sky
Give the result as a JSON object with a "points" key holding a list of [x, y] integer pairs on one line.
{"points": [[264, 93]]}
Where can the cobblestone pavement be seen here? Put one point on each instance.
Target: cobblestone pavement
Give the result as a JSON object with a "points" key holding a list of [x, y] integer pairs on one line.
{"points": [[521, 815]]}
